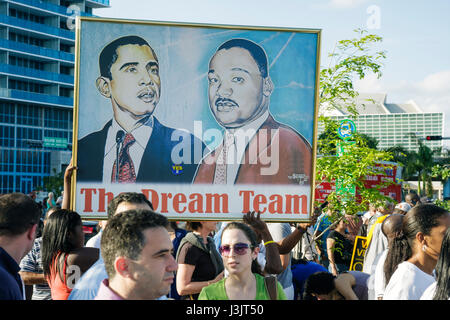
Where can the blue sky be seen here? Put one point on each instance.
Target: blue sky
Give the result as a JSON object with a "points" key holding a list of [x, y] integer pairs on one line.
{"points": [[416, 35]]}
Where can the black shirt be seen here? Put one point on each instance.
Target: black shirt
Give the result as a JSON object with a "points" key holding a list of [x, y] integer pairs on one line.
{"points": [[342, 248]]}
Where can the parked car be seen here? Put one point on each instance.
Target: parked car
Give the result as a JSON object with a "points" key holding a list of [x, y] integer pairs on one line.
{"points": [[90, 229]]}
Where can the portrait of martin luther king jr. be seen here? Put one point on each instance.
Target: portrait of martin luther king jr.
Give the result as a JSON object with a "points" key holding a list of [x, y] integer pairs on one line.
{"points": [[256, 148]]}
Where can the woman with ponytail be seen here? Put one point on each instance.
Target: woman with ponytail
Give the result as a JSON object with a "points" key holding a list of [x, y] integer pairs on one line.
{"points": [[239, 249], [414, 252], [440, 290]]}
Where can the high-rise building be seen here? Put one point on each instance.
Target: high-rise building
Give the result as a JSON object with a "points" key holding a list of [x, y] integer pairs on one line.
{"points": [[394, 124], [37, 62]]}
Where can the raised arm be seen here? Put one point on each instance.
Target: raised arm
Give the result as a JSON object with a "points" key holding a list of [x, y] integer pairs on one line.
{"points": [[273, 261], [67, 186]]}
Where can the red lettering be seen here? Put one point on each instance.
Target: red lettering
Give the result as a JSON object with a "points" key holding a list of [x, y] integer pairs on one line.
{"points": [[215, 198], [258, 200], [296, 199], [102, 199], [164, 198], [88, 198], [154, 199], [197, 204], [178, 199], [246, 202], [276, 204]]}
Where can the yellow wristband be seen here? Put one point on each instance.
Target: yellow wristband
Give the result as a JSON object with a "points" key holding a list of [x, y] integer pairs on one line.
{"points": [[268, 242]]}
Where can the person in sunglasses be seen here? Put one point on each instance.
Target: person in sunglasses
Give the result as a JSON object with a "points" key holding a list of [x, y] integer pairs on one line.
{"points": [[239, 250]]}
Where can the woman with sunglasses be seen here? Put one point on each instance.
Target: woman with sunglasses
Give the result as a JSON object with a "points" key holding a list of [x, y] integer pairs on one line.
{"points": [[239, 250]]}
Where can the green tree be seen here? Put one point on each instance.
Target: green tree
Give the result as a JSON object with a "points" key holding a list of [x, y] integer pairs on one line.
{"points": [[422, 162], [350, 60], [54, 183]]}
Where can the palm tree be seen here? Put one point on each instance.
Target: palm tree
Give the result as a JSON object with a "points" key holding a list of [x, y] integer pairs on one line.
{"points": [[419, 164]]}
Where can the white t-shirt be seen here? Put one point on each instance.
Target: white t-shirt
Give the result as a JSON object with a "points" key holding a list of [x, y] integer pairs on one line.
{"points": [[429, 292], [407, 283], [379, 278], [94, 242]]}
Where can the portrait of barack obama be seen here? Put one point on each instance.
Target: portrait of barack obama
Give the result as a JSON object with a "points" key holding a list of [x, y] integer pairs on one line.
{"points": [[133, 146]]}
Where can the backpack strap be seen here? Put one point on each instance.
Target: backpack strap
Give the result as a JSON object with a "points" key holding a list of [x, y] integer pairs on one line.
{"points": [[271, 286]]}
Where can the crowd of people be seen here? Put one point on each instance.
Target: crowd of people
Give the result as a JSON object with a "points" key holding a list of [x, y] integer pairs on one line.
{"points": [[139, 254]]}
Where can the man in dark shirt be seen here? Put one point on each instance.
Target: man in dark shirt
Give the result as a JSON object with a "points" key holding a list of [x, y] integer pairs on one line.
{"points": [[19, 218]]}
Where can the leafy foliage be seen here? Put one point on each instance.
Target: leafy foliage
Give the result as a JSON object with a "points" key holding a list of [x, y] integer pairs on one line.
{"points": [[351, 59]]}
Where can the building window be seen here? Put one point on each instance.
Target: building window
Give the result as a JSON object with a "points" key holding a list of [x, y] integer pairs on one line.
{"points": [[7, 136], [57, 118], [7, 112], [66, 92], [29, 115], [26, 86], [26, 39], [26, 16], [28, 137], [65, 47], [6, 184], [66, 70], [26, 63]]}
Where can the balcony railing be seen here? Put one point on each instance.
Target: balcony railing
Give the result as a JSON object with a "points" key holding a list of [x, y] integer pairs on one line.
{"points": [[35, 50], [36, 27], [37, 98], [36, 74], [47, 7]]}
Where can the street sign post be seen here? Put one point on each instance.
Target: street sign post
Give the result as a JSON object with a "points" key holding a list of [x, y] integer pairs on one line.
{"points": [[345, 131], [52, 142]]}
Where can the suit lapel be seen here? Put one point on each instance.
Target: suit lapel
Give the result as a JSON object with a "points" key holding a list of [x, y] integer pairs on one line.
{"points": [[259, 144], [96, 154], [149, 163]]}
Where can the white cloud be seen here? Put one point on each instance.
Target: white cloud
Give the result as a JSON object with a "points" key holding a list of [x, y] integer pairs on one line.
{"points": [[436, 83], [370, 84]]}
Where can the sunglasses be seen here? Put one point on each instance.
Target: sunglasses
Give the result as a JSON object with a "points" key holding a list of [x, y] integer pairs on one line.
{"points": [[238, 248]]}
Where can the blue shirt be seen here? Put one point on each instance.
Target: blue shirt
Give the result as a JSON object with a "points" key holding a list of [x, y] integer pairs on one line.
{"points": [[87, 287], [301, 272], [11, 285], [323, 222]]}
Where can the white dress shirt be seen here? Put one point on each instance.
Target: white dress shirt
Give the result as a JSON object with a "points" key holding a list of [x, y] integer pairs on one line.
{"points": [[141, 135], [241, 136]]}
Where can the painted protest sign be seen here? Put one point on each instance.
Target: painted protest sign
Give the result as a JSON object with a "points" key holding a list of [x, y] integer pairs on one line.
{"points": [[208, 121]]}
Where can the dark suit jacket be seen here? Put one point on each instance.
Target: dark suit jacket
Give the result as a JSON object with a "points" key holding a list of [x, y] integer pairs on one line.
{"points": [[156, 164], [294, 155]]}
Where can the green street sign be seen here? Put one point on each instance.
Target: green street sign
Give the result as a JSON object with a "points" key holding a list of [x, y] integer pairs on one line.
{"points": [[51, 142], [341, 149], [346, 129], [342, 189]]}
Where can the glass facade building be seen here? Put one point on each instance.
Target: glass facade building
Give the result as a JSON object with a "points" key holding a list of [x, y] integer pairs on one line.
{"points": [[395, 124], [37, 62]]}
